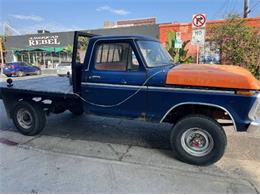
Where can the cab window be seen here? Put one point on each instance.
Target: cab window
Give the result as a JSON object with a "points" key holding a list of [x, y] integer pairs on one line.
{"points": [[115, 57]]}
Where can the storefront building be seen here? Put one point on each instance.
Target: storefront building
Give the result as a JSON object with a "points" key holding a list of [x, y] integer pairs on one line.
{"points": [[49, 49], [43, 50]]}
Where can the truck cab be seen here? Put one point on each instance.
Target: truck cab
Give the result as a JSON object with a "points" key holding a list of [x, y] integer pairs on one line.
{"points": [[121, 68]]}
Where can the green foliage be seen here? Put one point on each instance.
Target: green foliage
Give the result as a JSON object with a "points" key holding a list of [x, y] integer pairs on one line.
{"points": [[68, 49], [239, 44], [82, 45], [2, 41], [179, 55]]}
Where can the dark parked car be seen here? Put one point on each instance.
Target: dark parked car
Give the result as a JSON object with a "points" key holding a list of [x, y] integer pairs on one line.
{"points": [[20, 69]]}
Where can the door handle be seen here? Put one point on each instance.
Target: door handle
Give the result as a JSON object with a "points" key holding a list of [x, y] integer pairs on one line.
{"points": [[94, 77], [124, 82]]}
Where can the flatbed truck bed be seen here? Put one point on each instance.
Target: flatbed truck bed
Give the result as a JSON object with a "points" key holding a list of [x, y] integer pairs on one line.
{"points": [[52, 92], [51, 85], [45, 84]]}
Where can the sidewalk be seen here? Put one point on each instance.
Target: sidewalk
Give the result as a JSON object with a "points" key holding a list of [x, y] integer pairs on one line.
{"points": [[46, 164]]}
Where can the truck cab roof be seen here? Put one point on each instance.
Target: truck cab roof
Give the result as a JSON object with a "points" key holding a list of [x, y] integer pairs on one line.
{"points": [[117, 37]]}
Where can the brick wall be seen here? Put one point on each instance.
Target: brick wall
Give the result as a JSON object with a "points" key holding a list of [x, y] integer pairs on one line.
{"points": [[186, 28]]}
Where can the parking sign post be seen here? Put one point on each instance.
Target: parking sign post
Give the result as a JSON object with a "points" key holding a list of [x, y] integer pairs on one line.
{"points": [[198, 32]]}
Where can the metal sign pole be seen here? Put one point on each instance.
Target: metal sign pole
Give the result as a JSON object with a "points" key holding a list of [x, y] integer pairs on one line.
{"points": [[197, 53], [198, 25]]}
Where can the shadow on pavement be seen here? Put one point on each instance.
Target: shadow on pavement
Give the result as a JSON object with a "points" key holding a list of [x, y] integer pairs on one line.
{"points": [[109, 130]]}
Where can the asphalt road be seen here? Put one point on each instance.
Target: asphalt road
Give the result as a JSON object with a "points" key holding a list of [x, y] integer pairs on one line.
{"points": [[89, 154]]}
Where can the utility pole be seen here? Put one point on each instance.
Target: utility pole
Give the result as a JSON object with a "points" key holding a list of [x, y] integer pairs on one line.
{"points": [[246, 8], [1, 55]]}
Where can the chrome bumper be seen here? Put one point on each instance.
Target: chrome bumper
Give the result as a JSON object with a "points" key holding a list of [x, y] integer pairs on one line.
{"points": [[254, 115], [254, 127]]}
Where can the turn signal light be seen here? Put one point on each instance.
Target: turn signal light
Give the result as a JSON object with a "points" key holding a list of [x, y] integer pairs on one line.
{"points": [[247, 93]]}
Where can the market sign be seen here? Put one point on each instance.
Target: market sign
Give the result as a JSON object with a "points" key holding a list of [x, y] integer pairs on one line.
{"points": [[178, 35], [44, 40], [178, 41], [178, 44]]}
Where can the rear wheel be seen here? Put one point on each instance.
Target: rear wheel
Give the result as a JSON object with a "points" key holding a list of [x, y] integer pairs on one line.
{"points": [[198, 140], [29, 118]]}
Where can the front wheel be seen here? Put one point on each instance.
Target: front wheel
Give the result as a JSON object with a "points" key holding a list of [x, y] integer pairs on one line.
{"points": [[20, 74], [38, 72], [29, 118], [198, 140]]}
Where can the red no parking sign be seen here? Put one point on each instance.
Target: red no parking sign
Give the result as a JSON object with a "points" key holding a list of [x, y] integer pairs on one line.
{"points": [[199, 21]]}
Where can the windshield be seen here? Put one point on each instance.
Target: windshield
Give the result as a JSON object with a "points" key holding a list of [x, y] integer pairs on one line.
{"points": [[154, 54], [65, 64]]}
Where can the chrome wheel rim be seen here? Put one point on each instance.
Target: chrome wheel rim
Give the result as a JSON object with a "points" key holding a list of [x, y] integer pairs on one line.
{"points": [[197, 142], [24, 118]]}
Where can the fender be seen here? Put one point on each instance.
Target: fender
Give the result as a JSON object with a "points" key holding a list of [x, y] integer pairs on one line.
{"points": [[204, 104]]}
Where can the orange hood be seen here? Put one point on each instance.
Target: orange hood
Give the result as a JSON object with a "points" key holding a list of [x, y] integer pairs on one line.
{"points": [[206, 75]]}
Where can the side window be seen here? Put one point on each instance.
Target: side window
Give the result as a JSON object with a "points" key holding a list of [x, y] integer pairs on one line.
{"points": [[81, 49], [116, 57]]}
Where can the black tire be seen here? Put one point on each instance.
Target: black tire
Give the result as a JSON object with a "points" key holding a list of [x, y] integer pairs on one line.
{"points": [[35, 115], [70, 80], [76, 111], [200, 128]]}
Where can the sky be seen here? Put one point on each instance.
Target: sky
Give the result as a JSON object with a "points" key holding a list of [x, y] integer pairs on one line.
{"points": [[26, 16]]}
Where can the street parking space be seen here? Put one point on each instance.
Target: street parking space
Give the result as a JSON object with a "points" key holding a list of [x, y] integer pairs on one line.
{"points": [[89, 154]]}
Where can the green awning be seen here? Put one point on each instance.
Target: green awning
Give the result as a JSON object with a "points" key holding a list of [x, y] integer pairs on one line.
{"points": [[53, 49], [46, 49]]}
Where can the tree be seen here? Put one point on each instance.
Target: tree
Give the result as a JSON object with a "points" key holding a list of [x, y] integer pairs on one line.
{"points": [[179, 55], [68, 49], [238, 44], [81, 48], [2, 49]]}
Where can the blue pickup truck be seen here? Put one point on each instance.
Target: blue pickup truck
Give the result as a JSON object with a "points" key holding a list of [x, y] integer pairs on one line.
{"points": [[134, 77]]}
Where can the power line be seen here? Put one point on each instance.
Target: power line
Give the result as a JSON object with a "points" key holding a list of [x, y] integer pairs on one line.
{"points": [[220, 10], [253, 7], [233, 6]]}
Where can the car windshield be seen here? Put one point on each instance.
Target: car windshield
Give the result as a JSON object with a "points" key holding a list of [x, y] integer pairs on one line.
{"points": [[65, 64], [16, 64], [155, 54]]}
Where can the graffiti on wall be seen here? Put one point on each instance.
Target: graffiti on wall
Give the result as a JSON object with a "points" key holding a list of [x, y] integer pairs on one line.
{"points": [[209, 53]]}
